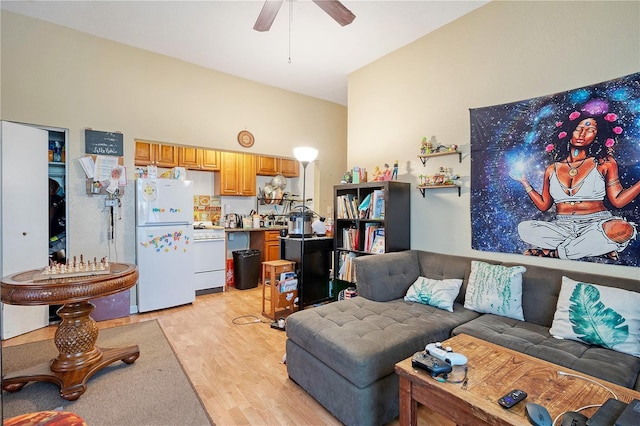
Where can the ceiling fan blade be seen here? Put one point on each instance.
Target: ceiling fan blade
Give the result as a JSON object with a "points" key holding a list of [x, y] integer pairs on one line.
{"points": [[267, 15], [337, 11]]}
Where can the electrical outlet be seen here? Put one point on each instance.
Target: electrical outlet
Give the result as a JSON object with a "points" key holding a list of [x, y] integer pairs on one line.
{"points": [[111, 203]]}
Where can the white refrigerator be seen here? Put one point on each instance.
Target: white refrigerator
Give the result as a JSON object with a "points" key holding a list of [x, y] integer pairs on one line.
{"points": [[164, 243]]}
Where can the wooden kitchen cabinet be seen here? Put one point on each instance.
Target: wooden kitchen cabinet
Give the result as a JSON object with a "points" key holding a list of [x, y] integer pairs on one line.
{"points": [[189, 158], [151, 153], [271, 166], [267, 165], [145, 153], [210, 160], [166, 155], [268, 243], [237, 175], [199, 159], [271, 245], [289, 167]]}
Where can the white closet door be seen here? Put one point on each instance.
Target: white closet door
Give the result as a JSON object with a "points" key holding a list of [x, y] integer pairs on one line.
{"points": [[25, 227]]}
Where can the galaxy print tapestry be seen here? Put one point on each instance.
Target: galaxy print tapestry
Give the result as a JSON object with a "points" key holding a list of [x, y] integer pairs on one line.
{"points": [[559, 176]]}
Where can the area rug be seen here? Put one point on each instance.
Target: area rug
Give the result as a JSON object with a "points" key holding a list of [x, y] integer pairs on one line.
{"points": [[152, 391]]}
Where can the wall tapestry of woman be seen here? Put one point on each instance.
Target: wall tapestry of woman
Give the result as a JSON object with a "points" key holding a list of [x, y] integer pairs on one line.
{"points": [[583, 174]]}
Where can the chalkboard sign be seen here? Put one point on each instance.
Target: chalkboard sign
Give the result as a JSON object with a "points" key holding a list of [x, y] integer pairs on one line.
{"points": [[103, 143]]}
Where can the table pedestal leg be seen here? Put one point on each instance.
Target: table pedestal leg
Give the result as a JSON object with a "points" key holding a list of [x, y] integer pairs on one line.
{"points": [[78, 358]]}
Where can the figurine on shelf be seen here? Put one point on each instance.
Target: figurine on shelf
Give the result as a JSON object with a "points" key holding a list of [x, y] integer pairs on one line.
{"points": [[453, 148], [386, 173], [422, 179], [378, 175], [438, 179], [347, 177], [394, 175], [426, 147]]}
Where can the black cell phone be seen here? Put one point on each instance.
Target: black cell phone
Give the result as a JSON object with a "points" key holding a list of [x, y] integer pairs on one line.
{"points": [[512, 398]]}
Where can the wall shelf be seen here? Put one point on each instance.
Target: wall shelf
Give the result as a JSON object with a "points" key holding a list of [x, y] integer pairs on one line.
{"points": [[424, 188], [425, 157]]}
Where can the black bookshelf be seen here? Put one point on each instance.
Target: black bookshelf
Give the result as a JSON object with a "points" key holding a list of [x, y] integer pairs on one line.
{"points": [[351, 229]]}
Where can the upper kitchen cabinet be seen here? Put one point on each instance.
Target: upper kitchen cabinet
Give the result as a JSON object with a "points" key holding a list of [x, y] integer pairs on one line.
{"points": [[271, 166], [289, 167], [189, 158], [210, 160], [267, 166], [198, 159], [237, 175], [151, 153]]}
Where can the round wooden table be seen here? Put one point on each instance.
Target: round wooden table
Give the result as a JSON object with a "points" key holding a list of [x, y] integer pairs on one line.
{"points": [[78, 358]]}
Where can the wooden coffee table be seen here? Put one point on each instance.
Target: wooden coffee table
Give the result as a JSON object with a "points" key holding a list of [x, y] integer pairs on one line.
{"points": [[494, 371]]}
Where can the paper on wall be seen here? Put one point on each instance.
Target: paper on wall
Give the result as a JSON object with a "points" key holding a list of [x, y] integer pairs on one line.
{"points": [[88, 166], [104, 167]]}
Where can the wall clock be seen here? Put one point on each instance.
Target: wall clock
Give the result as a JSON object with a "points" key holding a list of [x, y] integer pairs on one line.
{"points": [[245, 138]]}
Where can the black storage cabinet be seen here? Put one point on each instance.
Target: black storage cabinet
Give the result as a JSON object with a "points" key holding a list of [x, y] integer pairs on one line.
{"points": [[246, 268], [317, 265]]}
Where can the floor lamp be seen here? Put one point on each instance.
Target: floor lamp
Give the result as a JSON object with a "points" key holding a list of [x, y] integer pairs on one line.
{"points": [[304, 155]]}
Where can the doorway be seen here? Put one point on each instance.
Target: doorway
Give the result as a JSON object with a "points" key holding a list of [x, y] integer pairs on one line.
{"points": [[57, 204]]}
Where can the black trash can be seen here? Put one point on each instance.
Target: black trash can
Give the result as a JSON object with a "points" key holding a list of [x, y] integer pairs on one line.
{"points": [[246, 268]]}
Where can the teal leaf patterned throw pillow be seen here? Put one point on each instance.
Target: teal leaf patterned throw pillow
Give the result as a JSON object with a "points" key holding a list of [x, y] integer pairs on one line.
{"points": [[437, 293], [495, 289], [598, 315]]}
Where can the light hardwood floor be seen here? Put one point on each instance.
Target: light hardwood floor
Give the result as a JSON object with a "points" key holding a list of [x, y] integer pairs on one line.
{"points": [[234, 360]]}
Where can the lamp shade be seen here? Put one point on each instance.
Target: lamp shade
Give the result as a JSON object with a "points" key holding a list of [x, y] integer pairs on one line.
{"points": [[305, 154]]}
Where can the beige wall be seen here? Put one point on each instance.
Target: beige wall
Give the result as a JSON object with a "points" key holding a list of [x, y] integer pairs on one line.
{"points": [[502, 52], [54, 76]]}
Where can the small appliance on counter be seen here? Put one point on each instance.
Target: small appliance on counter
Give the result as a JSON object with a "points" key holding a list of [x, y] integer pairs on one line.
{"points": [[300, 223], [319, 227], [232, 220]]}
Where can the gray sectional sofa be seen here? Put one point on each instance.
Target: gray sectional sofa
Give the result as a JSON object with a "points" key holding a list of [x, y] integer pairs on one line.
{"points": [[343, 353]]}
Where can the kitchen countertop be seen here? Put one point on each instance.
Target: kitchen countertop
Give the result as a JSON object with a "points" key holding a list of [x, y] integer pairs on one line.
{"points": [[268, 228], [315, 238]]}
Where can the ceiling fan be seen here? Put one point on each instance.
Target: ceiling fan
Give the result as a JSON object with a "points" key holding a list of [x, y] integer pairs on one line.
{"points": [[333, 8]]}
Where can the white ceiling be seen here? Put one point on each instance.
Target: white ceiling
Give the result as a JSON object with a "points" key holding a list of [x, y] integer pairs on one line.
{"points": [[219, 35]]}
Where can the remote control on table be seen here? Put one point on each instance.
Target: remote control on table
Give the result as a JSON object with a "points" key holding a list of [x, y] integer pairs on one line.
{"points": [[433, 365], [512, 398]]}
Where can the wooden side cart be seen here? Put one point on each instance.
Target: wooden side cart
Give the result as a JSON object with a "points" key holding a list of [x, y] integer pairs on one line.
{"points": [[280, 303]]}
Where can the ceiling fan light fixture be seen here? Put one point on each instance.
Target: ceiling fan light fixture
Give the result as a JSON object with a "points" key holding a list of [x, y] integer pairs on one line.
{"points": [[333, 8], [337, 11], [267, 15]]}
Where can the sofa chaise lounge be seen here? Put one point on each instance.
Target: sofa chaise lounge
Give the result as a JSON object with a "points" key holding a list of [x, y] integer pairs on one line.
{"points": [[343, 353]]}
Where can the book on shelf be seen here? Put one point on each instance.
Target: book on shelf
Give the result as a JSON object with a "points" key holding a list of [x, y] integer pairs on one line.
{"points": [[378, 242], [377, 210], [347, 206], [370, 230], [364, 208], [350, 238], [347, 272]]}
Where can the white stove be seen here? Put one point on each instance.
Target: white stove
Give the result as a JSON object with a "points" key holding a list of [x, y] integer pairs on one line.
{"points": [[208, 234], [210, 259]]}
